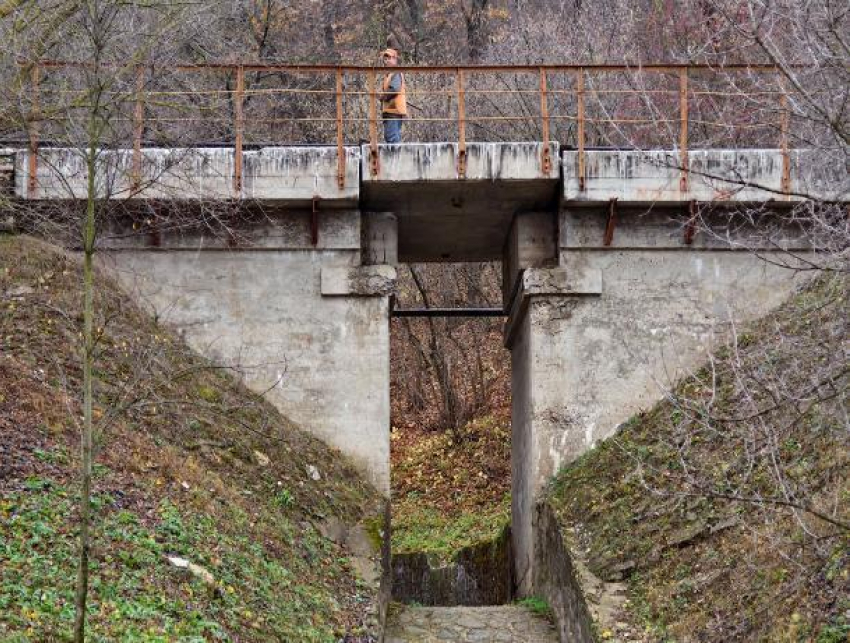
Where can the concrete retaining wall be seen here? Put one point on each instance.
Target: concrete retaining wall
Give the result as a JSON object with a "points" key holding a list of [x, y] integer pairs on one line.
{"points": [[585, 362], [479, 575], [556, 579]]}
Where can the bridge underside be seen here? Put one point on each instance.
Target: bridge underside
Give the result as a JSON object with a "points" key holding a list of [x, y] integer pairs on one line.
{"points": [[617, 277]]}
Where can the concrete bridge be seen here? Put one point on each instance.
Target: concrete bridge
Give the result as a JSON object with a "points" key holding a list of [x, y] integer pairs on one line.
{"points": [[617, 277]]}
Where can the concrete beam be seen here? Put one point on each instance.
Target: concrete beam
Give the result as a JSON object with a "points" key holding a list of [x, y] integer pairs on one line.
{"points": [[444, 215], [427, 162], [283, 175], [254, 228], [666, 226], [653, 176]]}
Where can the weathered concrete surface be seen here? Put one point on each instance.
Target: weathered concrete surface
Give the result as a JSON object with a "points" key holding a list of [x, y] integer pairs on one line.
{"points": [[582, 364], [443, 217], [380, 238], [665, 227], [293, 175], [323, 360], [503, 624], [363, 281], [715, 175], [258, 228]]}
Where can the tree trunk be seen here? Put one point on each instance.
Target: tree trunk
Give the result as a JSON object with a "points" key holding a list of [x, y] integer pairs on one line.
{"points": [[81, 594]]}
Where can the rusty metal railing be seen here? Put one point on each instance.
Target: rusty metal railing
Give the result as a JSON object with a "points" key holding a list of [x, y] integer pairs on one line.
{"points": [[581, 106]]}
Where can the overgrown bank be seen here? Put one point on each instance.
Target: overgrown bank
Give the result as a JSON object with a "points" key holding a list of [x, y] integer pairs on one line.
{"points": [[725, 507], [191, 466]]}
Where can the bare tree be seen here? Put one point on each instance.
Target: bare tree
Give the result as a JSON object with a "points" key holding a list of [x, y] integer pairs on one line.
{"points": [[83, 107]]}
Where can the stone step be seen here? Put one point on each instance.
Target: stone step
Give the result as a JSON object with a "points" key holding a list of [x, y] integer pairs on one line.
{"points": [[498, 624]]}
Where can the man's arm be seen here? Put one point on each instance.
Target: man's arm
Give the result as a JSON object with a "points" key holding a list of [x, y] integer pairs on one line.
{"points": [[393, 89]]}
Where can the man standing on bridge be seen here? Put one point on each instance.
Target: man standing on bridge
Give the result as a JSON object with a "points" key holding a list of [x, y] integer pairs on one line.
{"points": [[393, 98]]}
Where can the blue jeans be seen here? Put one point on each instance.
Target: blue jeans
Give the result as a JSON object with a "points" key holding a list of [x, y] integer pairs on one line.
{"points": [[392, 128]]}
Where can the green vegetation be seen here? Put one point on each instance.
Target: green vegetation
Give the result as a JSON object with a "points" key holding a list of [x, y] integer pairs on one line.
{"points": [[427, 530], [687, 502], [448, 496], [537, 605], [137, 595], [189, 464]]}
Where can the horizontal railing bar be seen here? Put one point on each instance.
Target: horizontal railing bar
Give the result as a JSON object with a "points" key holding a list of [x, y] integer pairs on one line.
{"points": [[298, 68]]}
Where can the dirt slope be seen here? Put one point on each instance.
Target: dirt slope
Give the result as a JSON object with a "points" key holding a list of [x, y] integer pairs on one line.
{"points": [[190, 464]]}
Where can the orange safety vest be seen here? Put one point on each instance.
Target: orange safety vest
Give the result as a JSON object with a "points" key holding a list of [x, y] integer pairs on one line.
{"points": [[398, 103]]}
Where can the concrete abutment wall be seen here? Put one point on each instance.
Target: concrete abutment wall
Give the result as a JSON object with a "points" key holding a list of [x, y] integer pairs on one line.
{"points": [[608, 330], [308, 326]]}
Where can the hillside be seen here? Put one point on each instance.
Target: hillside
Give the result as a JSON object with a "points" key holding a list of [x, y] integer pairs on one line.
{"points": [[190, 465], [724, 509]]}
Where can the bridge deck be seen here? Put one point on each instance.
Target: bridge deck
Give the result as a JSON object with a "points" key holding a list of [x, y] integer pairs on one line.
{"points": [[459, 201]]}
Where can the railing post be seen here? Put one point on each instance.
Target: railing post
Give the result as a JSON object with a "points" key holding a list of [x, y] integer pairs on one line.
{"points": [[240, 130], [138, 129], [35, 115], [683, 128], [580, 133], [545, 158], [784, 132], [340, 138], [461, 125], [375, 164]]}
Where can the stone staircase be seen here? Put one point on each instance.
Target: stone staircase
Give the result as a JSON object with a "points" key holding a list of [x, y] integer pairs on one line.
{"points": [[499, 624]]}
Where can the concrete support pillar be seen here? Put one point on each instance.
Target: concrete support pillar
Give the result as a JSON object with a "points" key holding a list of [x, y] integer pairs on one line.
{"points": [[380, 238], [532, 243], [544, 435]]}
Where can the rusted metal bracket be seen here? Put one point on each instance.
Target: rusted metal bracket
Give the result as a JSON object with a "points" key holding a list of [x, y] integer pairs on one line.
{"points": [[138, 129], [35, 115], [611, 223], [340, 135], [582, 171], [683, 129], [461, 126], [154, 232], [545, 157], [784, 131], [240, 130], [691, 224], [314, 223], [374, 162], [232, 239]]}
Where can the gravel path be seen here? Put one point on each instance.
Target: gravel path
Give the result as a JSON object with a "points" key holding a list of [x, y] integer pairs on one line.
{"points": [[500, 624]]}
